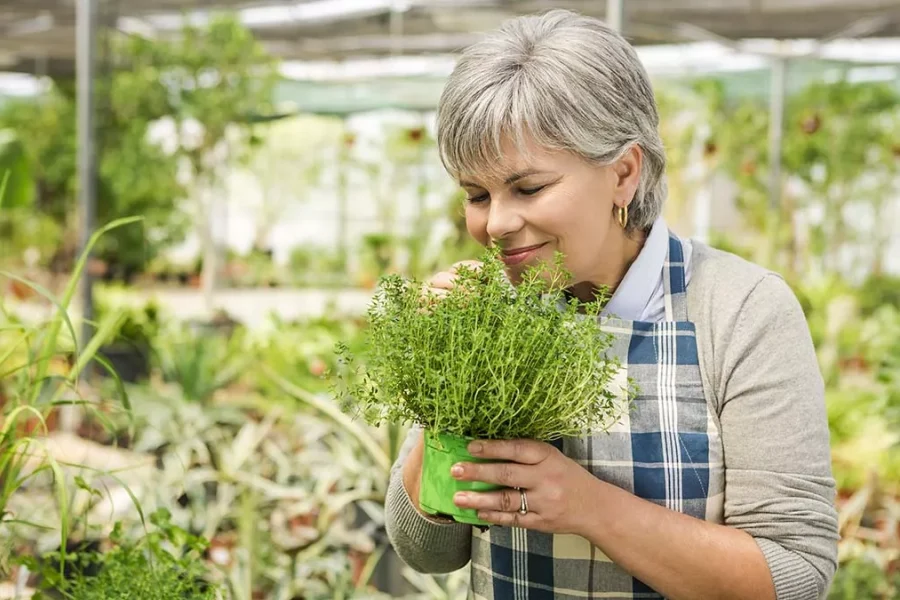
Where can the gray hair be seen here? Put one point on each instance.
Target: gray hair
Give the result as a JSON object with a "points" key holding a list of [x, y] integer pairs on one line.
{"points": [[568, 81]]}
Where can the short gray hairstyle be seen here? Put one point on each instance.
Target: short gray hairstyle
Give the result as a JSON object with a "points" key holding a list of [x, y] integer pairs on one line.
{"points": [[567, 80]]}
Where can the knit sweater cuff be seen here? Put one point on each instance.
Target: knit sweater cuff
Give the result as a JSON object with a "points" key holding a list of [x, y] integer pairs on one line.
{"points": [[794, 578], [425, 544]]}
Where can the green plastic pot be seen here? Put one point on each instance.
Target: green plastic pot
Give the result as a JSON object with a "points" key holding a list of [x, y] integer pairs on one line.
{"points": [[438, 486]]}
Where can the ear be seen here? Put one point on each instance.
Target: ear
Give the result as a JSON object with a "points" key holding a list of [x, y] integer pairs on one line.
{"points": [[628, 176]]}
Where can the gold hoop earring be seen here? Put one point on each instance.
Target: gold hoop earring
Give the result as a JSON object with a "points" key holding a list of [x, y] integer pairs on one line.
{"points": [[622, 216]]}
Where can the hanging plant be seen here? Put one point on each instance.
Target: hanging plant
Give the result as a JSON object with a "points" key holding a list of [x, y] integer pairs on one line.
{"points": [[485, 361]]}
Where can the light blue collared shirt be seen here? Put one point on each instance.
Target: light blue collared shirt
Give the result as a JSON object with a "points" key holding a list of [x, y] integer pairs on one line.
{"points": [[641, 294]]}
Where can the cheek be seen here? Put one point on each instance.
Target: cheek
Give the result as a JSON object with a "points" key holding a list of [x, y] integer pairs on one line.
{"points": [[578, 228], [476, 224], [583, 237]]}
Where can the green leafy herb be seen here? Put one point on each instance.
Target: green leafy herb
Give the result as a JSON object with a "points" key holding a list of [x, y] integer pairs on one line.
{"points": [[488, 360], [165, 564]]}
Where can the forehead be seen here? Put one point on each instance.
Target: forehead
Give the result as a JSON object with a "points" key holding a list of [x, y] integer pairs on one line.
{"points": [[517, 163], [515, 160]]}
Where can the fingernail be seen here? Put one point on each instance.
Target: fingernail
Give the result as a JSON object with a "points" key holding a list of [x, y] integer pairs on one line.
{"points": [[456, 470], [460, 497], [476, 447]]}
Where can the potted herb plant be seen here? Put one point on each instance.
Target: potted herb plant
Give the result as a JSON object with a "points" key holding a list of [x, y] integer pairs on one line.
{"points": [[488, 360]]}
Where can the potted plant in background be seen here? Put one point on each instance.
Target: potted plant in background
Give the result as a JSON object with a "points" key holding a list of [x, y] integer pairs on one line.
{"points": [[128, 352], [486, 361]]}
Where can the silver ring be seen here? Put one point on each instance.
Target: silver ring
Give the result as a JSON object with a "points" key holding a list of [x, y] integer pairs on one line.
{"points": [[523, 504]]}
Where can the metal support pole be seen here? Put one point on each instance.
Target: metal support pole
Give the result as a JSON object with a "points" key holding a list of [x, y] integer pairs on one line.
{"points": [[398, 8], [615, 14], [778, 91], [343, 164], [85, 43]]}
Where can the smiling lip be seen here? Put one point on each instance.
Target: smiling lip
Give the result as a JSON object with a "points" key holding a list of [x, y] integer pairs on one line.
{"points": [[519, 255]]}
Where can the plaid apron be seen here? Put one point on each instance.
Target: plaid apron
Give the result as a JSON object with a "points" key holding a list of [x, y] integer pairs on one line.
{"points": [[666, 450]]}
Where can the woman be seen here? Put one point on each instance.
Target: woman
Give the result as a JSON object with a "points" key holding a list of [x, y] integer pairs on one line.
{"points": [[718, 483]]}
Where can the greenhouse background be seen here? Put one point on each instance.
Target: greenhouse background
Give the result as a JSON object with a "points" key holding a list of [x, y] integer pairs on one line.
{"points": [[282, 159]]}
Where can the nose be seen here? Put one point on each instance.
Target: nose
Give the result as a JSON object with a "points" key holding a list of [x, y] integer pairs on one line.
{"points": [[503, 220]]}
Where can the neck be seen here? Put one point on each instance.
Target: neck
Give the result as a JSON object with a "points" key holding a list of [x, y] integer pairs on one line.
{"points": [[619, 253]]}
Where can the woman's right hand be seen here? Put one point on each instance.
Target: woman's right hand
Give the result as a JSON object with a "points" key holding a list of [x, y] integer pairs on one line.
{"points": [[441, 283]]}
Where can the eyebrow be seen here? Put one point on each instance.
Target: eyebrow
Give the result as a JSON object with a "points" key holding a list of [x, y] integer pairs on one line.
{"points": [[509, 180]]}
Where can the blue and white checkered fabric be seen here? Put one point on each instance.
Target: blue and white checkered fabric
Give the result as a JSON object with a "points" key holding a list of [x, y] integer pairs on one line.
{"points": [[666, 450]]}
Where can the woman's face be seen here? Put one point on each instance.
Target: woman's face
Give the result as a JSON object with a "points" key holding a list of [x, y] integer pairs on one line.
{"points": [[549, 200]]}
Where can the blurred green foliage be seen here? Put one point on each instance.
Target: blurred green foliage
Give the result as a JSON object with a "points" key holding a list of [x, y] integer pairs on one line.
{"points": [[217, 76], [842, 160]]}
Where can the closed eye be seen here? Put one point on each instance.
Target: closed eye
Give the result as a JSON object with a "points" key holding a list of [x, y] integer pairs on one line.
{"points": [[531, 191], [524, 191]]}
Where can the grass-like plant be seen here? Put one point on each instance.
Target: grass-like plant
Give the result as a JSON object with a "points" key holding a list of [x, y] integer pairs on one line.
{"points": [[487, 360], [34, 383]]}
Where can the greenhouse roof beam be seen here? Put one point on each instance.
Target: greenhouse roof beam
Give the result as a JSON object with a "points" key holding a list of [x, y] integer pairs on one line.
{"points": [[39, 35]]}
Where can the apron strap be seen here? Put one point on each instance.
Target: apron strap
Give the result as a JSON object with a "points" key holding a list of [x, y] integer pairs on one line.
{"points": [[674, 282]]}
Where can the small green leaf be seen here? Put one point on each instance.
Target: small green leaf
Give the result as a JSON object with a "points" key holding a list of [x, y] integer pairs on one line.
{"points": [[82, 484]]}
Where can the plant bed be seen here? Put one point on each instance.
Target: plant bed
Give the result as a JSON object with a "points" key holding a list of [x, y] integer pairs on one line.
{"points": [[488, 360]]}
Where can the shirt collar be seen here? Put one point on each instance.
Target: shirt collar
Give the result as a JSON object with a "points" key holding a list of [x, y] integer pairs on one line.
{"points": [[643, 276]]}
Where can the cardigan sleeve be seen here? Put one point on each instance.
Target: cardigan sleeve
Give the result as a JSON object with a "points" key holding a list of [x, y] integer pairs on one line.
{"points": [[426, 545], [778, 480]]}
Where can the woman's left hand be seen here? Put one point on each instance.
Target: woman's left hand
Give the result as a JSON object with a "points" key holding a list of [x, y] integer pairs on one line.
{"points": [[559, 492]]}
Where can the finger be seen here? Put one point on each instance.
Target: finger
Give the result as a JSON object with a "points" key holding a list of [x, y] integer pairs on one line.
{"points": [[442, 280], [501, 501], [426, 292], [527, 452], [511, 519], [437, 291], [508, 474], [429, 298]]}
